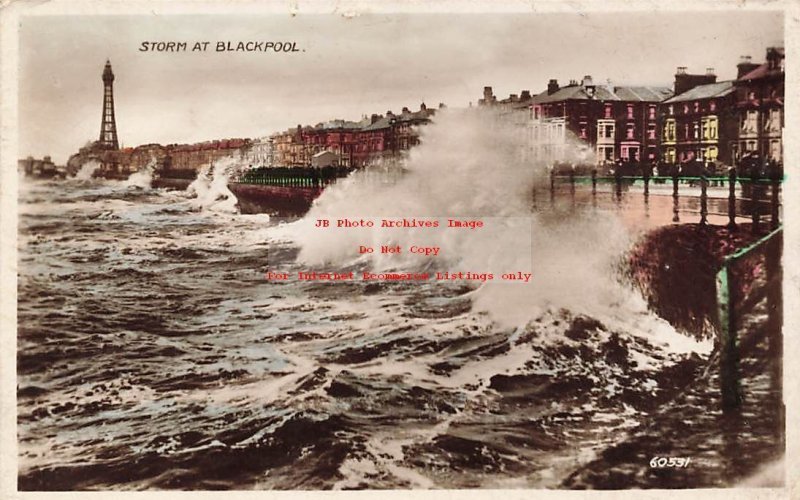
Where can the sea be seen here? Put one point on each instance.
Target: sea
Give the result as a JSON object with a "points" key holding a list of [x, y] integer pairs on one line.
{"points": [[153, 353]]}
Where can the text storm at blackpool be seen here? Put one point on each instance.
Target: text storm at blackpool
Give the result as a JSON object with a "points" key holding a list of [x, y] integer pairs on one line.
{"points": [[250, 46]]}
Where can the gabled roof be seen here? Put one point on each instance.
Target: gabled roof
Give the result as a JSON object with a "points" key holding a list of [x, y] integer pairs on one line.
{"points": [[644, 94], [414, 116], [708, 91], [343, 124], [382, 123], [606, 93], [762, 71]]}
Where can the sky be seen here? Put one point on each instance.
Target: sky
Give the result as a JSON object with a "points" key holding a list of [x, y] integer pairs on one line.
{"points": [[346, 67]]}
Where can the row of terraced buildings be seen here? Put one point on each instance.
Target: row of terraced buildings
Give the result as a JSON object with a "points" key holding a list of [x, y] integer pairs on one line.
{"points": [[698, 119], [347, 143]]}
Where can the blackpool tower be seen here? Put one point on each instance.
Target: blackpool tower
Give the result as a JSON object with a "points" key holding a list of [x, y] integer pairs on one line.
{"points": [[108, 127]]}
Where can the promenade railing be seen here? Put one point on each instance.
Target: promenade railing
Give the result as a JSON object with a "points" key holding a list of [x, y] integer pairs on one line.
{"points": [[301, 177], [749, 299], [756, 198]]}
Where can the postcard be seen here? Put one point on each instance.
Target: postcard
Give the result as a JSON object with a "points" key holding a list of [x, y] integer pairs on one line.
{"points": [[490, 249]]}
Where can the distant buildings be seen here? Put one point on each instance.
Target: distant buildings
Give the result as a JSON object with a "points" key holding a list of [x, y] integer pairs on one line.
{"points": [[613, 122], [354, 144], [699, 119], [44, 168]]}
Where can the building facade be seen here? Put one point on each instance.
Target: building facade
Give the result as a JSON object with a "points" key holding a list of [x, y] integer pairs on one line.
{"points": [[355, 144], [698, 125], [613, 122], [759, 102]]}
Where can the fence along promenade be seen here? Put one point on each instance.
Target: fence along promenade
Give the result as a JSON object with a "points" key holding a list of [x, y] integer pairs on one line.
{"points": [[746, 276]]}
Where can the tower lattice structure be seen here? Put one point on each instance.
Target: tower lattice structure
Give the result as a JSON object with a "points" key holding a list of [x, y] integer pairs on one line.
{"points": [[108, 126]]}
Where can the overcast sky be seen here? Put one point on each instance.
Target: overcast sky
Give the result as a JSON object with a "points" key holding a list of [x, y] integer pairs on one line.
{"points": [[349, 67]]}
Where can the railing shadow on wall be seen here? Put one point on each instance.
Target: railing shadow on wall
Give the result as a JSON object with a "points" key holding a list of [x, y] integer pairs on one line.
{"points": [[746, 278]]}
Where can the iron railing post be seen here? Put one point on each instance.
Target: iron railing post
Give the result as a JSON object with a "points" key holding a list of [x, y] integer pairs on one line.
{"points": [[732, 199], [728, 359]]}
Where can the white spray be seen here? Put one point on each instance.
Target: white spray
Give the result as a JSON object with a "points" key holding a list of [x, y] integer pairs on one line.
{"points": [[87, 170], [210, 189], [143, 177], [473, 164]]}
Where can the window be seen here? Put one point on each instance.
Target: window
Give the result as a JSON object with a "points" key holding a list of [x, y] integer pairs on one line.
{"points": [[669, 156], [630, 111], [583, 130], [629, 132], [696, 130], [775, 149], [651, 112], [750, 122], [651, 131], [669, 131], [774, 122], [713, 128], [712, 106], [697, 106], [605, 130], [607, 111], [686, 109]]}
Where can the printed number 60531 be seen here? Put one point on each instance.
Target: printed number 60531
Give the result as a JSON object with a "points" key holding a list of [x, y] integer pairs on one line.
{"points": [[660, 462]]}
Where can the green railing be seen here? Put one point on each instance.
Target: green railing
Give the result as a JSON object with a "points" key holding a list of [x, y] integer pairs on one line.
{"points": [[294, 176], [746, 278], [759, 197]]}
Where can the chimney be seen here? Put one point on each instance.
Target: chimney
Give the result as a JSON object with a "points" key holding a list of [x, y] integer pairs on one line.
{"points": [[775, 56], [423, 107], [389, 114], [685, 81], [588, 85], [488, 96], [405, 110], [442, 106], [373, 118], [525, 95], [552, 87], [746, 65], [513, 98]]}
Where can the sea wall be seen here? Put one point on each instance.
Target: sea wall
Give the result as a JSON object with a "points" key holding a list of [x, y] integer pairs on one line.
{"points": [[283, 200], [675, 268]]}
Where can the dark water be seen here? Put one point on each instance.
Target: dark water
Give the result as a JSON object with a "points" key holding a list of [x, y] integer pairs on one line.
{"points": [[152, 353]]}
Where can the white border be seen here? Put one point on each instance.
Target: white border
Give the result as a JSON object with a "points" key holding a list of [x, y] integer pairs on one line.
{"points": [[10, 13]]}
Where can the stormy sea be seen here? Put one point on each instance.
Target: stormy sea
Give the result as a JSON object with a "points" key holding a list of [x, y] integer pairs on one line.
{"points": [[154, 354]]}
